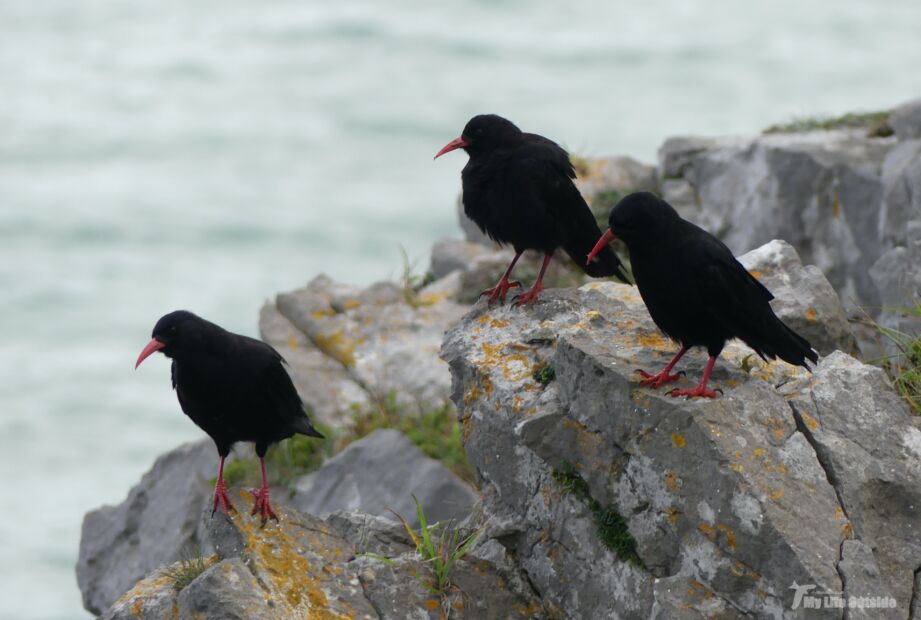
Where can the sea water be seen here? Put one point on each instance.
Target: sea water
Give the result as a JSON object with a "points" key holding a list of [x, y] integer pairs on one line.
{"points": [[206, 155]]}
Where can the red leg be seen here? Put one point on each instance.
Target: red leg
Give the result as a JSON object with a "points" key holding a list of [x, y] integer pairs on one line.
{"points": [[220, 492], [532, 293], [660, 379], [701, 389], [498, 292], [262, 505]]}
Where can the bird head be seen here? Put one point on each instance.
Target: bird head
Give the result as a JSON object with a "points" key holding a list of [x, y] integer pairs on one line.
{"points": [[484, 133], [638, 216], [174, 333]]}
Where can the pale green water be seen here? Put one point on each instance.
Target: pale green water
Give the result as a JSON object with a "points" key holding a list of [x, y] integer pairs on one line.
{"points": [[156, 155]]}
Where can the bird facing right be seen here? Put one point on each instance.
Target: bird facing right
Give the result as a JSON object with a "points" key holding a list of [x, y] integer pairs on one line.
{"points": [[695, 289]]}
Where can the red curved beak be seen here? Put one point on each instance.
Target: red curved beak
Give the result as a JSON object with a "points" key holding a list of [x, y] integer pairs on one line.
{"points": [[152, 347], [606, 238], [457, 143]]}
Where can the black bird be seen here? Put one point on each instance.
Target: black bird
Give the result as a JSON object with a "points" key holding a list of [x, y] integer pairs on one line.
{"points": [[695, 289], [518, 189], [234, 388]]}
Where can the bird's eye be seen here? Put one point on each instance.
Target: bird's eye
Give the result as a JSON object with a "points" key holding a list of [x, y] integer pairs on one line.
{"points": [[172, 329]]}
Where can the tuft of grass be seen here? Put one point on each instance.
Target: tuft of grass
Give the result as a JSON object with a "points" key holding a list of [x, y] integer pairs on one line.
{"points": [[610, 526], [903, 368], [876, 124], [434, 431], [190, 565], [440, 546], [413, 283], [544, 375]]}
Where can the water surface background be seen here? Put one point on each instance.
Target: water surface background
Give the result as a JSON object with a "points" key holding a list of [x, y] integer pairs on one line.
{"points": [[206, 155]]}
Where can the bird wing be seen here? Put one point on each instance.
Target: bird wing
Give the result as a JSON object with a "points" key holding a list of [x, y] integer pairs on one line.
{"points": [[547, 175], [275, 387], [730, 295]]}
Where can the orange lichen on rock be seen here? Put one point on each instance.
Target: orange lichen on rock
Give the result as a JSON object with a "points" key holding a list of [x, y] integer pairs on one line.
{"points": [[289, 577]]}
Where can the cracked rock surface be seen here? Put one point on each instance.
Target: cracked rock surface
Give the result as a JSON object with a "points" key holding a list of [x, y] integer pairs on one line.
{"points": [[729, 501], [351, 566]]}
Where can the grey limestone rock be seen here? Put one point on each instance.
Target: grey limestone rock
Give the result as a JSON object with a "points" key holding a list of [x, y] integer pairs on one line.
{"points": [[382, 472], [803, 298], [729, 501], [905, 120], [303, 567], [383, 337], [157, 522]]}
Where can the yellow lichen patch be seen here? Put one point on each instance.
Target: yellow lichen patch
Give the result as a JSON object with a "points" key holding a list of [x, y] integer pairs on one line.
{"points": [[471, 394], [498, 323], [143, 591], [697, 592], [321, 313], [847, 530], [351, 304], [338, 347], [712, 533], [836, 207], [737, 467], [776, 495], [678, 440], [641, 398], [758, 453], [810, 314], [672, 514], [292, 342], [292, 581], [707, 530], [730, 536], [755, 273], [492, 355], [484, 319], [811, 422], [672, 482], [532, 610], [516, 367], [486, 384], [432, 603], [654, 340], [466, 424], [430, 299], [739, 569], [839, 513], [588, 440], [516, 403]]}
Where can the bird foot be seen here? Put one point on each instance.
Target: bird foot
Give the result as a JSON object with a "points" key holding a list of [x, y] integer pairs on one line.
{"points": [[528, 296], [658, 380], [262, 506], [499, 291], [700, 390], [221, 499]]}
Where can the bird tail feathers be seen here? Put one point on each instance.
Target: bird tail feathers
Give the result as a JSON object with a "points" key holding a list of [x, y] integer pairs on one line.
{"points": [[603, 265], [303, 426], [778, 340]]}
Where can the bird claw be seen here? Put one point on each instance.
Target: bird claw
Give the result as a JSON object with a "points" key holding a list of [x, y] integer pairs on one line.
{"points": [[221, 499], [658, 380], [527, 297], [263, 506], [700, 390], [499, 291]]}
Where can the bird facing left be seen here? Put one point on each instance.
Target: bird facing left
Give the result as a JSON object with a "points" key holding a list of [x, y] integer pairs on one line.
{"points": [[235, 388]]}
